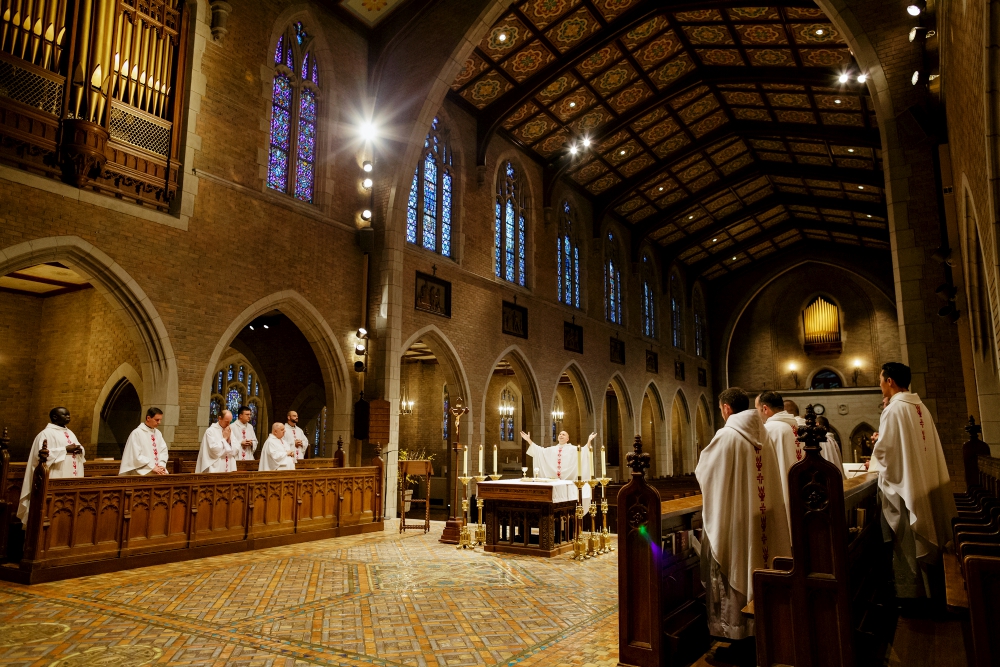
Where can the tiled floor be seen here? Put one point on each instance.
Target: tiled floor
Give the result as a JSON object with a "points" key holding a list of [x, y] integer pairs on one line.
{"points": [[377, 599]]}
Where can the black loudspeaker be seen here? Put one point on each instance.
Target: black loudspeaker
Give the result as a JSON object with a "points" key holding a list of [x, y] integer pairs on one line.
{"points": [[361, 419]]}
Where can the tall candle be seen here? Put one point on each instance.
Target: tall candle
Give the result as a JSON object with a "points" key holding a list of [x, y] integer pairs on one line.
{"points": [[466, 462], [481, 469], [604, 462], [495, 470], [579, 463]]}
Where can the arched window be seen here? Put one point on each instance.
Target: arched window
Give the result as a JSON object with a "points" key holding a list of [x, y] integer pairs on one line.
{"points": [[700, 328], [446, 413], [648, 297], [428, 210], [568, 259], [612, 281], [291, 160], [509, 232], [676, 312], [507, 409], [826, 379], [235, 384]]}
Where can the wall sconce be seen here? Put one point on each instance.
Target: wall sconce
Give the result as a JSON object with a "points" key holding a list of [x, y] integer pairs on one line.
{"points": [[405, 403], [794, 370], [857, 371], [361, 349]]}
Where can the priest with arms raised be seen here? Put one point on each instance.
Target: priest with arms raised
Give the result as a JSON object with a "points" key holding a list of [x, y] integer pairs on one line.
{"points": [[917, 502], [145, 450], [276, 453], [65, 456], [743, 512], [559, 460], [218, 453]]}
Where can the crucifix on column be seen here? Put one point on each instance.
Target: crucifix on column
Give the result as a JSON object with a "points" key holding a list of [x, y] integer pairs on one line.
{"points": [[455, 519]]}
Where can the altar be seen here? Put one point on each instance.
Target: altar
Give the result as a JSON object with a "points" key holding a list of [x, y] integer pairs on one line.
{"points": [[526, 517]]}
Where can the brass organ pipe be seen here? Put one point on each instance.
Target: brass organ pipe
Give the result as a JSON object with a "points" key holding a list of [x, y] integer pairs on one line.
{"points": [[50, 33], [22, 18], [147, 43], [81, 54], [167, 83], [6, 17], [35, 23], [57, 50], [133, 60], [116, 57], [154, 77], [126, 57], [104, 34]]}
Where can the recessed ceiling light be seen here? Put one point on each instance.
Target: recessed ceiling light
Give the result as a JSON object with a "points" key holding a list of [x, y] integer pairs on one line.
{"points": [[734, 258], [869, 216], [843, 78], [572, 150], [850, 150], [715, 240], [836, 101], [690, 217], [572, 104], [862, 78], [819, 31], [622, 153], [861, 187], [502, 37], [661, 188], [586, 142]]}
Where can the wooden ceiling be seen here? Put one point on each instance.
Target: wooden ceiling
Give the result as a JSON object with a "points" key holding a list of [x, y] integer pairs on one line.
{"points": [[43, 280], [719, 130]]}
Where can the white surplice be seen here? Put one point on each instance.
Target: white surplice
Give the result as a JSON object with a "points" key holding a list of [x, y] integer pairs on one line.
{"points": [[60, 463], [293, 433], [241, 432], [559, 461], [274, 455], [830, 451], [917, 502], [744, 519], [145, 449], [783, 429], [217, 453]]}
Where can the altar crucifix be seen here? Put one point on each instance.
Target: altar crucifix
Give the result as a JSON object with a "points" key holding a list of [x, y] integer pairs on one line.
{"points": [[455, 520]]}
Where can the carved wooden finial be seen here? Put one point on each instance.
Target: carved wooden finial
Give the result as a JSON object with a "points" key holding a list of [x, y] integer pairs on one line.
{"points": [[973, 429], [637, 460], [43, 453], [340, 443], [811, 434]]}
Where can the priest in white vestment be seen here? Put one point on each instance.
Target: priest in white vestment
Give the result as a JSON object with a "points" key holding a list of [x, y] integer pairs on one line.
{"points": [[745, 525], [917, 501], [145, 450], [295, 436], [559, 460], [217, 453], [276, 453], [792, 408], [830, 449], [65, 459], [782, 428], [244, 438]]}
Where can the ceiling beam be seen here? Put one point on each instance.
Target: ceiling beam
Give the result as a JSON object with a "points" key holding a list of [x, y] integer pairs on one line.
{"points": [[765, 204], [740, 248]]}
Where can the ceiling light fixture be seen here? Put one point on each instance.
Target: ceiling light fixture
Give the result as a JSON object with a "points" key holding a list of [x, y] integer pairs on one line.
{"points": [[869, 215], [861, 187], [915, 79], [661, 188], [366, 184], [734, 258], [367, 166], [836, 101], [366, 214], [572, 104], [844, 78], [251, 327], [502, 37], [819, 31], [850, 150], [862, 78], [715, 240], [915, 7], [266, 327], [586, 142], [367, 131], [622, 153], [690, 217], [572, 150]]}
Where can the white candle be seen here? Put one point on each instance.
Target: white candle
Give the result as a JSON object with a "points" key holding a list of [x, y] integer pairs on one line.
{"points": [[466, 462], [579, 463], [481, 448], [604, 463], [495, 470]]}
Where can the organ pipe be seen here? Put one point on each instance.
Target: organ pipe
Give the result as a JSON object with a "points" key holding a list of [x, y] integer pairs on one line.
{"points": [[821, 321]]}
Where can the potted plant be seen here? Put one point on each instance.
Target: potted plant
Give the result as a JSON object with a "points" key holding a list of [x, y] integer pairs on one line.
{"points": [[409, 482]]}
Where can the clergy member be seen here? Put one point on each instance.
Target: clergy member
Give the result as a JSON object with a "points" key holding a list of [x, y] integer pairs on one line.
{"points": [[145, 450], [745, 525], [783, 431], [917, 504], [294, 435], [65, 456], [217, 452], [276, 453], [559, 460], [830, 449], [792, 408], [244, 438]]}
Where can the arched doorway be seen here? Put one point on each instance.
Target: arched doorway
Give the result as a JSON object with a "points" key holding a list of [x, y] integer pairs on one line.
{"points": [[511, 406], [651, 430], [703, 431], [616, 422], [120, 414], [680, 426]]}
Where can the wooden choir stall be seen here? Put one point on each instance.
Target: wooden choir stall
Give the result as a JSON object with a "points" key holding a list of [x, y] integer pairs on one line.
{"points": [[104, 522]]}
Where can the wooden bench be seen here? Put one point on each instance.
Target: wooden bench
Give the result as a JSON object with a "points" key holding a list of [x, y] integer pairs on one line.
{"points": [[661, 611]]}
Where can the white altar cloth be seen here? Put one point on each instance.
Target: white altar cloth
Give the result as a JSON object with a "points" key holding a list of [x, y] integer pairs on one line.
{"points": [[563, 490]]}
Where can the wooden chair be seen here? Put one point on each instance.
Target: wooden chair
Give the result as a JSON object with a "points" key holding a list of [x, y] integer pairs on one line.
{"points": [[423, 469]]}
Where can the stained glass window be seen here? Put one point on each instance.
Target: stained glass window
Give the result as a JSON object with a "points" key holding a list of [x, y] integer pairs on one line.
{"points": [[700, 328], [218, 386], [446, 413], [428, 208], [567, 260], [291, 164], [215, 410], [240, 376], [233, 400], [510, 235], [648, 298], [612, 281], [253, 413], [676, 315], [229, 374]]}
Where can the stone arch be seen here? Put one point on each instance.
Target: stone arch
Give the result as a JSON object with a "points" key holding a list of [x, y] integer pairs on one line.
{"points": [[525, 375], [582, 397], [683, 459], [324, 345], [656, 445], [862, 429], [123, 372], [159, 386], [584, 391], [703, 432], [822, 369]]}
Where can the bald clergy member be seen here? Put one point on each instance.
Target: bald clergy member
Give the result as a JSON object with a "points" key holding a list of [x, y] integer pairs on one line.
{"points": [[744, 520], [917, 504], [783, 430], [560, 460], [294, 435], [65, 456], [244, 437], [145, 450], [276, 453], [217, 452]]}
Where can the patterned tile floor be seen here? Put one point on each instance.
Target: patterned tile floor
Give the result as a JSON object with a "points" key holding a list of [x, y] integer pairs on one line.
{"points": [[376, 599]]}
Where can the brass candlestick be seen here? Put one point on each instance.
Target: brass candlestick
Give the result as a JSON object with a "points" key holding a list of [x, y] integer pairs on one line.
{"points": [[480, 538], [605, 535], [465, 535], [494, 477], [593, 541], [579, 544]]}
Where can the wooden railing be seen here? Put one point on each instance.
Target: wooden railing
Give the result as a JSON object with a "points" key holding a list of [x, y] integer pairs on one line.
{"points": [[104, 522]]}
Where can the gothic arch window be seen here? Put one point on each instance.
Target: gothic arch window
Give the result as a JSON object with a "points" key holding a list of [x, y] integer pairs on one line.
{"points": [[291, 160], [568, 259], [429, 207], [236, 383], [700, 328], [446, 413], [676, 312], [612, 280], [508, 406], [648, 297], [509, 232]]}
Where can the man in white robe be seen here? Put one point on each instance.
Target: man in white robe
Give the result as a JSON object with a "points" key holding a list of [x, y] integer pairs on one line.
{"points": [[295, 436], [917, 501], [65, 456], [792, 408], [244, 438], [783, 430], [145, 450], [745, 525], [276, 453], [830, 450], [217, 453], [560, 461]]}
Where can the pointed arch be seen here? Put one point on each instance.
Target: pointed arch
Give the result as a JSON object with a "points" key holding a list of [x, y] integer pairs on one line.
{"points": [[123, 372], [510, 224], [129, 301], [525, 375], [614, 310], [322, 340], [584, 409], [430, 215], [575, 372], [683, 458], [653, 432]]}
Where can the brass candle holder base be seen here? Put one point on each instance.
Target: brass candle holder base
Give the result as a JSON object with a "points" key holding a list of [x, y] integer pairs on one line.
{"points": [[465, 538], [605, 535], [593, 542], [580, 543], [479, 539], [495, 476]]}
